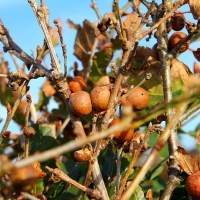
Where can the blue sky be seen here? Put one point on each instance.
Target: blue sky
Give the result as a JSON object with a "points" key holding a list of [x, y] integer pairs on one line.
{"points": [[18, 17]]}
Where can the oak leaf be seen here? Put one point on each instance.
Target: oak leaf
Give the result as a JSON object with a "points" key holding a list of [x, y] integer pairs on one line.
{"points": [[188, 163], [195, 8]]}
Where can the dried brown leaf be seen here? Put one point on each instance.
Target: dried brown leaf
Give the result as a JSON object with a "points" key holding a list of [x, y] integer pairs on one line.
{"points": [[135, 143], [132, 20], [149, 194], [48, 89], [196, 163], [179, 71], [195, 8], [103, 81], [197, 54], [84, 40], [196, 68], [188, 163], [72, 24]]}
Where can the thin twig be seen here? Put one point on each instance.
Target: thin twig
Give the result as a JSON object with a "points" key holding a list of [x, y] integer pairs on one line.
{"points": [[63, 45], [125, 7], [27, 195], [65, 123], [118, 173], [40, 15], [189, 112], [92, 192], [11, 114], [173, 179], [29, 101], [96, 9], [94, 46], [116, 4], [33, 112], [3, 76], [15, 61]]}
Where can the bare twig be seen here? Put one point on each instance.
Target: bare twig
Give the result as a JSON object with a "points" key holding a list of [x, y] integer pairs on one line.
{"points": [[93, 193], [65, 123], [40, 15], [174, 169], [11, 114], [189, 112], [128, 4], [120, 19], [15, 61], [96, 9], [33, 112], [63, 45], [27, 195], [29, 100], [94, 46], [118, 173], [3, 76]]}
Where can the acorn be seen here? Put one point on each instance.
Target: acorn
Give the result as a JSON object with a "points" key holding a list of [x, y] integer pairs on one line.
{"points": [[178, 21], [100, 96], [80, 103], [175, 39], [138, 98], [193, 186], [121, 136], [77, 84], [29, 131], [24, 179], [83, 155]]}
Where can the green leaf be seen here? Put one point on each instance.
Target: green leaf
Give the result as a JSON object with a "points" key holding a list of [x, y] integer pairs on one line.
{"points": [[138, 194], [55, 190], [151, 141], [39, 185], [43, 101], [67, 167], [100, 64], [73, 191], [43, 140], [107, 163], [198, 146], [158, 169]]}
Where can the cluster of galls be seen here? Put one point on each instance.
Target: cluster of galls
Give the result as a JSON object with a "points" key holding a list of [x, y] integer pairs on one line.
{"points": [[177, 23], [82, 103]]}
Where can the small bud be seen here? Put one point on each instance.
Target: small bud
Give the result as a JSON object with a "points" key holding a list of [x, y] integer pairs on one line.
{"points": [[196, 68], [92, 6], [38, 49], [28, 98], [9, 108], [6, 134]]}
